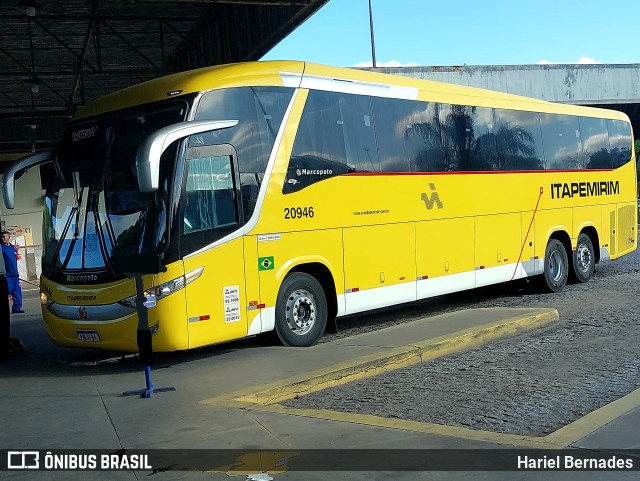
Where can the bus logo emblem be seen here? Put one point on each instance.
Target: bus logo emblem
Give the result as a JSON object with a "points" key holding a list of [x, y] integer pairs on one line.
{"points": [[429, 201], [82, 313]]}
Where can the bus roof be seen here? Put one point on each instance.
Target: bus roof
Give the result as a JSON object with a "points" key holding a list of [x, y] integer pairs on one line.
{"points": [[270, 73]]}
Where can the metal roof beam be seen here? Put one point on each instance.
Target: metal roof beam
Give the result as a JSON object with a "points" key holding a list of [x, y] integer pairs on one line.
{"points": [[82, 59], [115, 18], [22, 107], [174, 30], [79, 57], [285, 28], [28, 71], [131, 46], [274, 3], [17, 62], [71, 73]]}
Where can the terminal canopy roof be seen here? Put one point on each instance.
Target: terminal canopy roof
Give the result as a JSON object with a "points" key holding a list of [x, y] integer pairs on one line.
{"points": [[56, 55]]}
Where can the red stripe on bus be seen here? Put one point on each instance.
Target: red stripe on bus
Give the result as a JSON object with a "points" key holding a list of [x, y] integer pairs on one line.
{"points": [[475, 172]]}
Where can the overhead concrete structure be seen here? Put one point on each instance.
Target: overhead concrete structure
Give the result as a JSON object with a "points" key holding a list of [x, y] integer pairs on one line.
{"points": [[57, 55], [614, 86]]}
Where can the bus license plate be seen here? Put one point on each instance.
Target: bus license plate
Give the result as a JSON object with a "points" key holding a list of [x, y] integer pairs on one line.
{"points": [[88, 335]]}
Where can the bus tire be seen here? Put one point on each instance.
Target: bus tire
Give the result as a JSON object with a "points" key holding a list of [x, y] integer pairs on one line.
{"points": [[301, 310], [556, 266], [584, 260]]}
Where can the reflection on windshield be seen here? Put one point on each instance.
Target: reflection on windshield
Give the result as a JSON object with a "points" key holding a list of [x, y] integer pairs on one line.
{"points": [[93, 204]]}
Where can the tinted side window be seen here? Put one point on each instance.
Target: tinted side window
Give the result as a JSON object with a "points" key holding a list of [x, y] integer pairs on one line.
{"points": [[259, 110], [393, 118], [423, 138], [518, 140], [620, 140], [468, 138], [319, 150], [359, 136], [595, 144], [561, 137]]}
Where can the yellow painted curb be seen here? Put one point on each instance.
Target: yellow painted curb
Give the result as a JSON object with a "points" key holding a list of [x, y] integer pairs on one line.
{"points": [[399, 357], [595, 420], [414, 426]]}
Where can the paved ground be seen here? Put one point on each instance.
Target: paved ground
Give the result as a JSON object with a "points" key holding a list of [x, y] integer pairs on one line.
{"points": [[61, 398], [532, 385]]}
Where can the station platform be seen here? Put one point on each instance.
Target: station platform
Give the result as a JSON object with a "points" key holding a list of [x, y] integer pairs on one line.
{"points": [[230, 397]]}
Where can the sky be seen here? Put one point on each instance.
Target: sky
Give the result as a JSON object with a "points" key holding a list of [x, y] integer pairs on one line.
{"points": [[466, 32]]}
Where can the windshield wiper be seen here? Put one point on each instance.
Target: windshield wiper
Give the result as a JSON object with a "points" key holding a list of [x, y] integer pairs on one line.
{"points": [[77, 196], [63, 236]]}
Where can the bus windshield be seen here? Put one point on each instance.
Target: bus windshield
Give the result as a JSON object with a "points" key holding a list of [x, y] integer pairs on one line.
{"points": [[93, 205]]}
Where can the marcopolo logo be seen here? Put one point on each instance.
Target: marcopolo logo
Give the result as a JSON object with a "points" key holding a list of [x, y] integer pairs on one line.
{"points": [[82, 278], [300, 172], [433, 199]]}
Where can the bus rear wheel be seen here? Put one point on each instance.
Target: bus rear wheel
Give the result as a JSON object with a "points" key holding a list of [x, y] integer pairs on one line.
{"points": [[301, 310], [556, 267], [584, 260]]}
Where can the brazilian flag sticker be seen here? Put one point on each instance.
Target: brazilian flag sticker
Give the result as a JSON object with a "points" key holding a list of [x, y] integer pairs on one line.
{"points": [[265, 263]]}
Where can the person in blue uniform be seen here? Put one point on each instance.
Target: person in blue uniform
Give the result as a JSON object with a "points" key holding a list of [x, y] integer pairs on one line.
{"points": [[5, 318], [10, 254]]}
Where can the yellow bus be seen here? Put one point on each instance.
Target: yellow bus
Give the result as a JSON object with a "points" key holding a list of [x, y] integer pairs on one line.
{"points": [[282, 195]]}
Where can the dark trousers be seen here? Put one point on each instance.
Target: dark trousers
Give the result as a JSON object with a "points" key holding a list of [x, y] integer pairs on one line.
{"points": [[5, 318]]}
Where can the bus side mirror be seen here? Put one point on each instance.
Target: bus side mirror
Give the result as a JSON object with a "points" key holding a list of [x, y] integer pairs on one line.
{"points": [[149, 153], [17, 169]]}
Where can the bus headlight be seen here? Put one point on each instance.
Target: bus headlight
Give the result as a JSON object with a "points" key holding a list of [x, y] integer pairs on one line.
{"points": [[44, 300], [165, 289]]}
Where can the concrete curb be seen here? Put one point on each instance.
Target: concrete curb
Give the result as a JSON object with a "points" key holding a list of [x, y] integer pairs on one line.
{"points": [[395, 358]]}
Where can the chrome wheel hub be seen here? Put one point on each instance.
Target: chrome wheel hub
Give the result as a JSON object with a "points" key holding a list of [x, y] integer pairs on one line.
{"points": [[556, 266], [301, 311], [583, 258]]}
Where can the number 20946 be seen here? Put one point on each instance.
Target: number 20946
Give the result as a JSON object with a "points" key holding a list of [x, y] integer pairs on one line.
{"points": [[298, 212]]}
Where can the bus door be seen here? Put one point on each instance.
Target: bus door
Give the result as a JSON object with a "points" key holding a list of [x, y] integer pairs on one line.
{"points": [[210, 212]]}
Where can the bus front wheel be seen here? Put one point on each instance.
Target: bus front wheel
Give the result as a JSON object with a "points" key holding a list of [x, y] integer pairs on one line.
{"points": [[556, 266], [584, 259], [301, 310]]}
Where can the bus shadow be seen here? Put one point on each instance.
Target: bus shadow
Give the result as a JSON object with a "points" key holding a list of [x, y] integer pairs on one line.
{"points": [[42, 358]]}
